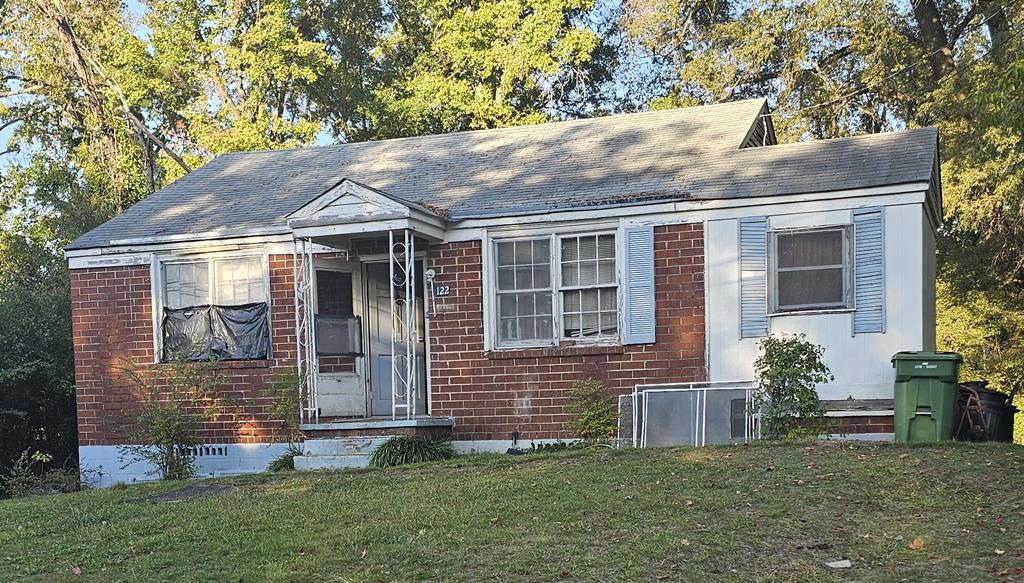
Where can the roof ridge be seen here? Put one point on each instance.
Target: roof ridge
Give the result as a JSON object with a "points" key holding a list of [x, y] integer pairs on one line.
{"points": [[546, 125], [864, 137]]}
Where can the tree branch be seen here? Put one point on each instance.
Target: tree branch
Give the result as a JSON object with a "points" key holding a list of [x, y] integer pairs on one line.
{"points": [[958, 30], [22, 91]]}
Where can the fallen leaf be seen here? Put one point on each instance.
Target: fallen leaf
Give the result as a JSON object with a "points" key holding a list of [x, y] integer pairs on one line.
{"points": [[1000, 552], [916, 544], [689, 502], [495, 521]]}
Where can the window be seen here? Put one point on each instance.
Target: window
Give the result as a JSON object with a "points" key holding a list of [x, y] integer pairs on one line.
{"points": [[582, 287], [524, 292], [811, 270], [214, 309], [590, 304], [339, 332]]}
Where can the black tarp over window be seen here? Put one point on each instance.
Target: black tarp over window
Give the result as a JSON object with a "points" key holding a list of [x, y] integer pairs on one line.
{"points": [[216, 332]]}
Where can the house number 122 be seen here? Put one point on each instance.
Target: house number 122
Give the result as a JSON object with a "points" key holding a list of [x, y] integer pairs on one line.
{"points": [[442, 291]]}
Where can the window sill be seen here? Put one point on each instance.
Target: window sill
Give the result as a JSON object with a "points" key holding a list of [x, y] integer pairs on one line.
{"points": [[813, 312], [229, 364], [555, 351]]}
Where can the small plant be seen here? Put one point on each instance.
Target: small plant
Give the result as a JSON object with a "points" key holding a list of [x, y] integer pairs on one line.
{"points": [[286, 461], [595, 414], [411, 449], [174, 399], [285, 405], [29, 476], [787, 372]]}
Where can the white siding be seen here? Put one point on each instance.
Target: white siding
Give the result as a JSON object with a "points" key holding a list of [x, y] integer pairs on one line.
{"points": [[860, 363]]}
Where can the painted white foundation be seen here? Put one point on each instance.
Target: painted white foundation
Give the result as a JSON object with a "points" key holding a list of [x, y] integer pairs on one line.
{"points": [[104, 465]]}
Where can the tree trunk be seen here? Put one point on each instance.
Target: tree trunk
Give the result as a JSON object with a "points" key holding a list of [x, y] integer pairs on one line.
{"points": [[934, 38]]}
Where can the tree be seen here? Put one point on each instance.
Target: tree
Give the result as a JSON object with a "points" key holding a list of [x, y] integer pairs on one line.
{"points": [[838, 68]]}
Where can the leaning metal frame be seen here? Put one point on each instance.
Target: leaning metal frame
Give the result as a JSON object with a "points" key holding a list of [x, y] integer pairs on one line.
{"points": [[752, 427], [305, 330], [404, 324]]}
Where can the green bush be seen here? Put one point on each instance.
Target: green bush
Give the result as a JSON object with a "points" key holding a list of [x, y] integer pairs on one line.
{"points": [[29, 476], [787, 372], [595, 415], [411, 449], [174, 399], [286, 461]]}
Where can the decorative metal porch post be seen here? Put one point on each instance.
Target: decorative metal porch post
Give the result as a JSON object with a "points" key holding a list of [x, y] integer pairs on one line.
{"points": [[404, 323]]}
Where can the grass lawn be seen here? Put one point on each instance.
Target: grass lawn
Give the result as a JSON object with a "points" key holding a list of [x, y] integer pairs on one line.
{"points": [[780, 512]]}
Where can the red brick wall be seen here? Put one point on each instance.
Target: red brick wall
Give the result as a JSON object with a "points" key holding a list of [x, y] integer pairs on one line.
{"points": [[492, 394], [113, 323]]}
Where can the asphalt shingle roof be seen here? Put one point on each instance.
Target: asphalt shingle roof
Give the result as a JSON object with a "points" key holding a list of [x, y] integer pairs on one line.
{"points": [[690, 153]]}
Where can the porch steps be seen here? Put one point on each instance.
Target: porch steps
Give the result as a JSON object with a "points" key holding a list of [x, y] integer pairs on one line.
{"points": [[337, 453]]}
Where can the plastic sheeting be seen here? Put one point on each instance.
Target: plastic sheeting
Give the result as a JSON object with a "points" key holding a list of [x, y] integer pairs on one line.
{"points": [[216, 332]]}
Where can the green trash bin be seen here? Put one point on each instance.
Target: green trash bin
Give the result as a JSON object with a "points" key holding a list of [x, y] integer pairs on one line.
{"points": [[924, 396]]}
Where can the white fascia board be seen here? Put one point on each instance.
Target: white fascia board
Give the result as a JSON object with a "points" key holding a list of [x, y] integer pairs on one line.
{"points": [[473, 229], [692, 211], [119, 260], [193, 245]]}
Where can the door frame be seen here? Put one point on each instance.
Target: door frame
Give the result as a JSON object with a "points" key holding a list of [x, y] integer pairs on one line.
{"points": [[358, 309], [421, 258]]}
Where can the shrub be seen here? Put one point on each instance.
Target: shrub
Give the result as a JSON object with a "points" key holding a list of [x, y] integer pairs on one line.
{"points": [[174, 399], [787, 371], [285, 405], [29, 476], [595, 414], [285, 461], [411, 449]]}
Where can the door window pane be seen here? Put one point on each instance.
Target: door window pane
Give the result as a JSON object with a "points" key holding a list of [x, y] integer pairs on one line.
{"points": [[333, 293]]}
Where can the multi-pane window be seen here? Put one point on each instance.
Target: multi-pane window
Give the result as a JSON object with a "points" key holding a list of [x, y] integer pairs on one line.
{"points": [[811, 269], [552, 287], [589, 290], [524, 292], [233, 282], [215, 308]]}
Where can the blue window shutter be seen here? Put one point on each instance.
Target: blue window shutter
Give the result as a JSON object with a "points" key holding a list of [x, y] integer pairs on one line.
{"points": [[869, 270], [639, 296], [753, 277]]}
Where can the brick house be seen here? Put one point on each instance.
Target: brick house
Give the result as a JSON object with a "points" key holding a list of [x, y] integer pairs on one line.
{"points": [[458, 284]]}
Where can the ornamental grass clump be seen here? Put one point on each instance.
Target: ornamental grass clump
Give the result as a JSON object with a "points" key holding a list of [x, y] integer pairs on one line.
{"points": [[411, 449]]}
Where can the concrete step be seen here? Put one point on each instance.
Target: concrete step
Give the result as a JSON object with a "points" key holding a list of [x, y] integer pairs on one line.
{"points": [[330, 462], [343, 446]]}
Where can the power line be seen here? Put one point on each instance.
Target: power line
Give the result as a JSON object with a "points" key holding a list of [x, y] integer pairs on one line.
{"points": [[904, 69]]}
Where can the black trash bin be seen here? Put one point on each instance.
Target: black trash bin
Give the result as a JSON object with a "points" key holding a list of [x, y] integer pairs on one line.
{"points": [[989, 414]]}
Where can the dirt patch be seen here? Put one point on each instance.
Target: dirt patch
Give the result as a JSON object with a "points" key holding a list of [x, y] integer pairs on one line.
{"points": [[197, 491]]}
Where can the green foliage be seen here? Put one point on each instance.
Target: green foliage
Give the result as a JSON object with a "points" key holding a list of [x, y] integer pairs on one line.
{"points": [[595, 415], [174, 399], [285, 405], [37, 395], [411, 449], [286, 461], [29, 476], [787, 372]]}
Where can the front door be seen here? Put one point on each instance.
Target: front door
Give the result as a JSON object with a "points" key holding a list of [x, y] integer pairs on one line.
{"points": [[341, 391], [380, 326]]}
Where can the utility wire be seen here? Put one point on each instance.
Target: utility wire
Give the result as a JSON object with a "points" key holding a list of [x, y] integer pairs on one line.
{"points": [[904, 69]]}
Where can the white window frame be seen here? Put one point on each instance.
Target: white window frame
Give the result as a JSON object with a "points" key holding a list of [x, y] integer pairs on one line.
{"points": [[491, 337], [157, 288], [846, 305]]}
